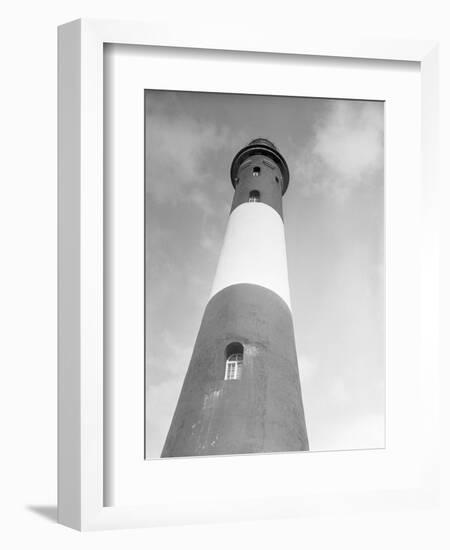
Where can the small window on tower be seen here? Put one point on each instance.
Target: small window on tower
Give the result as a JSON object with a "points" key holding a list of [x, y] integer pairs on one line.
{"points": [[256, 171], [234, 359], [254, 196]]}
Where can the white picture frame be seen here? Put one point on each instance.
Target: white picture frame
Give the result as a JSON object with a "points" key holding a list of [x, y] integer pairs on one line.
{"points": [[81, 407]]}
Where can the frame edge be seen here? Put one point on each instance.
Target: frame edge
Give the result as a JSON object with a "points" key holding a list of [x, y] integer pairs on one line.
{"points": [[69, 334]]}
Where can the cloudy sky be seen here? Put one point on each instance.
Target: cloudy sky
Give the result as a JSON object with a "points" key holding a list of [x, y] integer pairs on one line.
{"points": [[334, 223]]}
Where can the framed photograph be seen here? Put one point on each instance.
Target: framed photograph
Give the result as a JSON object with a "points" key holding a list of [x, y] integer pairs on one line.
{"points": [[248, 303]]}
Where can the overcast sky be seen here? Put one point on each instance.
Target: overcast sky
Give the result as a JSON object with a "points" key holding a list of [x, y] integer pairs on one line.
{"points": [[333, 212]]}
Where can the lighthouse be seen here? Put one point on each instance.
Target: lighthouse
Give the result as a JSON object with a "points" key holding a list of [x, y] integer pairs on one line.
{"points": [[242, 393]]}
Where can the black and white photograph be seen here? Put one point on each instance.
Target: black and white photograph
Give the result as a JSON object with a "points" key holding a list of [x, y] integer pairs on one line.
{"points": [[264, 274], [225, 265]]}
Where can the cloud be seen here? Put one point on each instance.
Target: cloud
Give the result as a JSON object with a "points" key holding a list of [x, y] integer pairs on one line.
{"points": [[307, 367], [200, 198], [345, 151], [363, 432], [161, 402], [174, 152], [181, 155], [168, 360]]}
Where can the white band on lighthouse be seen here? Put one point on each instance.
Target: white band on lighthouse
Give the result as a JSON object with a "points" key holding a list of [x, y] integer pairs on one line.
{"points": [[254, 251]]}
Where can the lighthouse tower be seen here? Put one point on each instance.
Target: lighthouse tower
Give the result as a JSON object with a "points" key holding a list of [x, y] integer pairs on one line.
{"points": [[242, 390]]}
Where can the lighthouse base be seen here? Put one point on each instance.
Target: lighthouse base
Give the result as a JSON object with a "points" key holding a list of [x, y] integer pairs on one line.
{"points": [[262, 411]]}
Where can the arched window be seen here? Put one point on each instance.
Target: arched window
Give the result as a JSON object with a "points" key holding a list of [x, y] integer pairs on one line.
{"points": [[254, 196], [234, 357], [256, 170]]}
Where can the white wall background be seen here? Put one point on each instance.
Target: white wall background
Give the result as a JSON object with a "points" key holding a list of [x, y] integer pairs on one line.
{"points": [[28, 272]]}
